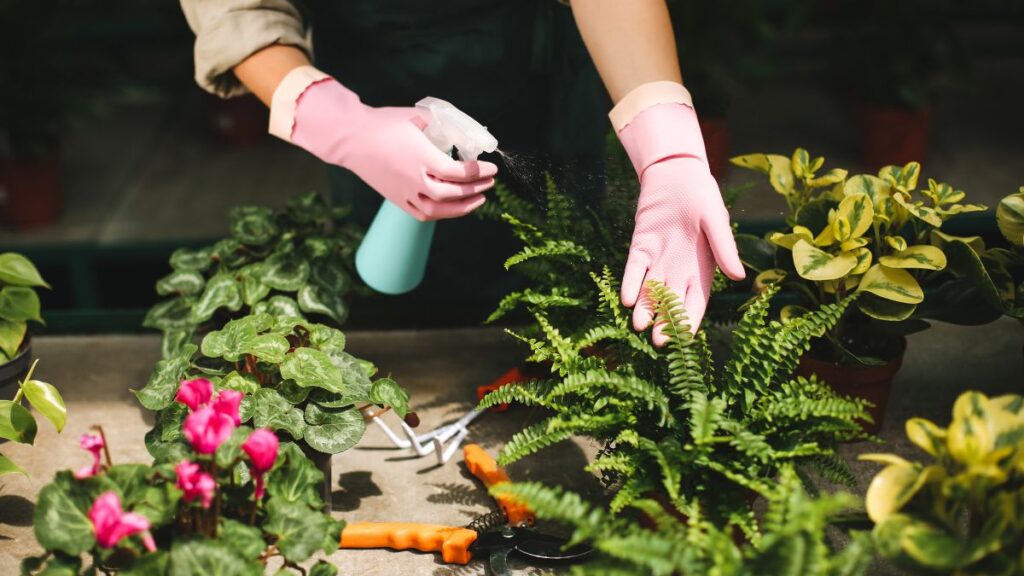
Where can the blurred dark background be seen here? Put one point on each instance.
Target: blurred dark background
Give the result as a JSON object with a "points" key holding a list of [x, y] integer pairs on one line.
{"points": [[111, 157]]}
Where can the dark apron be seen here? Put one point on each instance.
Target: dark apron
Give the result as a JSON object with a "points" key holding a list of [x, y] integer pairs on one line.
{"points": [[517, 66]]}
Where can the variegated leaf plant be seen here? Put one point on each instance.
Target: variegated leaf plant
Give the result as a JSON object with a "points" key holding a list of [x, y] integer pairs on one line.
{"points": [[877, 236], [960, 513]]}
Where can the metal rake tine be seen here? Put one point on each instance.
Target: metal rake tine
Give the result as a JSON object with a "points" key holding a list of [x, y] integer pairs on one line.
{"points": [[418, 447], [445, 453], [391, 434]]}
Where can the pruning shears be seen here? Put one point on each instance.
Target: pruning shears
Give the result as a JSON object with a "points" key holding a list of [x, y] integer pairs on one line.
{"points": [[461, 545]]}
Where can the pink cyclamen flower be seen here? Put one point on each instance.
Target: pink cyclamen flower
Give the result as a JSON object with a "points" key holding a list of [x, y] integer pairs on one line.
{"points": [[261, 446], [227, 403], [195, 393], [195, 483], [111, 524], [205, 429], [94, 444]]}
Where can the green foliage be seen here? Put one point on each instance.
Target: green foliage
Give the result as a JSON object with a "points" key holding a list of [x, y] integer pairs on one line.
{"points": [[296, 376], [960, 512], [877, 236], [293, 262], [657, 540], [234, 536], [674, 423], [19, 425], [19, 302]]}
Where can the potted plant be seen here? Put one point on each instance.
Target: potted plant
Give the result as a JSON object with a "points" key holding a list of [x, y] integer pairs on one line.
{"points": [[959, 512], [17, 423], [894, 58], [878, 237], [721, 47], [794, 539], [672, 425], [236, 499], [19, 304], [33, 109], [998, 271], [294, 376], [291, 262]]}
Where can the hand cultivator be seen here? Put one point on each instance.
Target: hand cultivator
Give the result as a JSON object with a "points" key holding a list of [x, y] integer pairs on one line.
{"points": [[445, 440]]}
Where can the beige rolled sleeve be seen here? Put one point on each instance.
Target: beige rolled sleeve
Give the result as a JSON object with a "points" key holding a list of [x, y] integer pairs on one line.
{"points": [[229, 31]]}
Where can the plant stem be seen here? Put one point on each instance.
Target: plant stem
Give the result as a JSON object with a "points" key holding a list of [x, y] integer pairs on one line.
{"points": [[106, 449]]}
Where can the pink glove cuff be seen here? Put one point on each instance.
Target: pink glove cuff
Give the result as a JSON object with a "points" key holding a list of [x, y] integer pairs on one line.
{"points": [[286, 97], [643, 97], [662, 131]]}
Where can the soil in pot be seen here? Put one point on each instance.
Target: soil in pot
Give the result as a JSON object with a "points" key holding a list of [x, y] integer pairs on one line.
{"points": [[716, 142], [892, 135], [30, 191], [872, 383]]}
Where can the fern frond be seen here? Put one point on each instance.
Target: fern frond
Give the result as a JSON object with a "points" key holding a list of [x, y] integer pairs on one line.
{"points": [[834, 469], [631, 490], [614, 383], [533, 300], [549, 248], [533, 393], [553, 430], [706, 416]]}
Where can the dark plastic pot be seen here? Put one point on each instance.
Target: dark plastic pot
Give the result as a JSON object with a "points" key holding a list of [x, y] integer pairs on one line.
{"points": [[30, 191], [717, 144], [892, 135], [872, 383], [323, 463], [13, 371]]}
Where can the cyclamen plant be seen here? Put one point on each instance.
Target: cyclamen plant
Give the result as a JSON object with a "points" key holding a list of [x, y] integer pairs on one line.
{"points": [[284, 373], [235, 499], [291, 262]]}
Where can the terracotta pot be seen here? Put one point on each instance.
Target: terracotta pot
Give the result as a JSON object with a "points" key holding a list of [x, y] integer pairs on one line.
{"points": [[872, 383], [892, 135], [240, 121], [716, 143], [30, 191]]}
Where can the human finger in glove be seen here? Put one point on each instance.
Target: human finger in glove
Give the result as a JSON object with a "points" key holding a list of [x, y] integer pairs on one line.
{"points": [[385, 147], [682, 226]]}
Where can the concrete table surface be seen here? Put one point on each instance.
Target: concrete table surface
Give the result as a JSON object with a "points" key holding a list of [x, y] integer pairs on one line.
{"points": [[375, 482]]}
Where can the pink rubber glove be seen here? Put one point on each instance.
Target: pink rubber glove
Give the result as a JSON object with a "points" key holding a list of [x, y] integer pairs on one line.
{"points": [[385, 147], [682, 225]]}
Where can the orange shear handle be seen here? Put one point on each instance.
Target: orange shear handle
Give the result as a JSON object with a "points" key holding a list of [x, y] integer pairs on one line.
{"points": [[481, 465], [453, 543]]}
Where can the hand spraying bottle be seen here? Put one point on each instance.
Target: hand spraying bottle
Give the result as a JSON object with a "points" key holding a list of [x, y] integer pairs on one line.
{"points": [[393, 256]]}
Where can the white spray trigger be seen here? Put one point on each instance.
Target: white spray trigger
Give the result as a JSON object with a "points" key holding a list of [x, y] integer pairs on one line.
{"points": [[450, 127]]}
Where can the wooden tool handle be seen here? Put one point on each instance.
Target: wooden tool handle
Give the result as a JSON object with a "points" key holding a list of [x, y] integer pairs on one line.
{"points": [[481, 465], [453, 543]]}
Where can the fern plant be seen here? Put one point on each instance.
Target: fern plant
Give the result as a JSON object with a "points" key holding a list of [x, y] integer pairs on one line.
{"points": [[793, 543], [565, 240], [674, 424]]}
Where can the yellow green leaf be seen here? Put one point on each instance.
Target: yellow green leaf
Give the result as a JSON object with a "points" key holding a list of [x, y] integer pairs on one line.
{"points": [[961, 209], [904, 177], [897, 243], [939, 239], [970, 439], [891, 489], [767, 278], [1010, 217], [858, 210], [833, 176], [889, 459], [817, 164], [923, 257], [853, 244], [942, 193], [849, 283], [787, 240], [882, 309], [841, 229], [863, 256], [827, 236], [919, 210], [817, 265], [892, 284], [926, 435], [777, 167], [875, 188], [801, 162]]}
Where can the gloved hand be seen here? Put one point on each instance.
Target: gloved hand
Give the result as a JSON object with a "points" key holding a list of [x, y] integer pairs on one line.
{"points": [[682, 225], [385, 147]]}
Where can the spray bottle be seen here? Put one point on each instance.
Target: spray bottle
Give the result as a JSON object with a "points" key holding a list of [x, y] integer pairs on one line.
{"points": [[393, 256]]}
